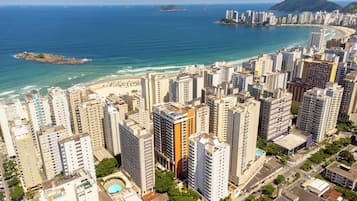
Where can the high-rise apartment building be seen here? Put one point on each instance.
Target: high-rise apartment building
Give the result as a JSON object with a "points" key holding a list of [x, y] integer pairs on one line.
{"points": [[27, 158], [76, 153], [138, 154], [275, 118], [75, 96], [39, 110], [114, 113], [60, 111], [174, 123], [202, 118], [50, 152], [313, 113], [181, 89], [155, 89], [208, 166], [318, 73], [10, 112], [348, 108], [218, 116], [242, 80], [242, 138], [316, 39], [91, 121], [334, 91]]}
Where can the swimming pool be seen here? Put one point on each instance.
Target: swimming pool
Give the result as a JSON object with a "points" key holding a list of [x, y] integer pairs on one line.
{"points": [[259, 152], [115, 188]]}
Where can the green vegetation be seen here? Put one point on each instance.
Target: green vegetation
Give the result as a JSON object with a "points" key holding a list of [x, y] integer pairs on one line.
{"points": [[13, 182], [39, 56], [2, 196], [295, 106], [16, 193], [270, 148], [329, 150], [344, 125], [346, 157], [306, 166], [268, 190], [283, 160], [280, 179], [16, 190], [350, 8], [347, 194], [319, 176], [106, 167], [228, 21], [305, 5], [165, 183], [251, 197], [226, 199]]}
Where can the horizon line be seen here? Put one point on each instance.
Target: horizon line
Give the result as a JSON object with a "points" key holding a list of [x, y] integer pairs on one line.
{"points": [[140, 4]]}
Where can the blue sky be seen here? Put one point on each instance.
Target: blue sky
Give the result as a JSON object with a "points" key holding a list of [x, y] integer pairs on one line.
{"points": [[131, 2]]}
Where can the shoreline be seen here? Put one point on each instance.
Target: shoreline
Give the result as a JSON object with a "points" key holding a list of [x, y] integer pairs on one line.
{"points": [[127, 83], [345, 31]]}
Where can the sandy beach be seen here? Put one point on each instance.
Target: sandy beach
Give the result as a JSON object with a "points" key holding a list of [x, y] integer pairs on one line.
{"points": [[345, 31]]}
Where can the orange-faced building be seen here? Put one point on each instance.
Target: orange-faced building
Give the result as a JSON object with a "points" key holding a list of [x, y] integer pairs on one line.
{"points": [[174, 123]]}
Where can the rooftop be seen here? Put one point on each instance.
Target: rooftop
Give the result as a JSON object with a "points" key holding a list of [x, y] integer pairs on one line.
{"points": [[343, 170], [291, 140], [58, 181], [73, 137], [172, 110]]}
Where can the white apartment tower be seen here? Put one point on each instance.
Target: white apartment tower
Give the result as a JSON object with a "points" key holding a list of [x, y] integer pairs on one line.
{"points": [[181, 89], [111, 129], [114, 113], [202, 118], [334, 91], [242, 138], [313, 114], [316, 39], [76, 153], [218, 115], [208, 166], [38, 109], [50, 152], [60, 111], [138, 154], [155, 89], [10, 111], [275, 115]]}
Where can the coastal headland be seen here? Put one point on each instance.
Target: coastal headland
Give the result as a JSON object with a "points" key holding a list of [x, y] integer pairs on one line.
{"points": [[50, 58]]}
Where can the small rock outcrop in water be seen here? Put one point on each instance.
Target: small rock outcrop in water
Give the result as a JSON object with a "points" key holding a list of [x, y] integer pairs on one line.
{"points": [[50, 58]]}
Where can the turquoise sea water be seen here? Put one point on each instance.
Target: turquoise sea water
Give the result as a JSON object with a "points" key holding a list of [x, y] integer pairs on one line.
{"points": [[125, 40]]}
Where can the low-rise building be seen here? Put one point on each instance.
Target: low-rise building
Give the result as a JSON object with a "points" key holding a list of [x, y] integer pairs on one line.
{"points": [[342, 175]]}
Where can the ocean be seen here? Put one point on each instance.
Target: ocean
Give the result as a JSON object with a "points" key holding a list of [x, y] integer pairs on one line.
{"points": [[125, 40]]}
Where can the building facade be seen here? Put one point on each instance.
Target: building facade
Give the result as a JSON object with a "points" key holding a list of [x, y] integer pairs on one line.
{"points": [[208, 166], [138, 154], [174, 123]]}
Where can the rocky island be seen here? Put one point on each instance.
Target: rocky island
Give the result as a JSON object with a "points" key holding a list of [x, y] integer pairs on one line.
{"points": [[171, 8], [50, 58]]}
